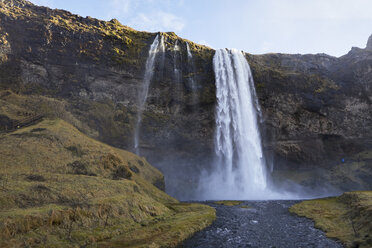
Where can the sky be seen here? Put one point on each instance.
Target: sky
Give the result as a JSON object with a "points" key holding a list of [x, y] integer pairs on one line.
{"points": [[255, 26]]}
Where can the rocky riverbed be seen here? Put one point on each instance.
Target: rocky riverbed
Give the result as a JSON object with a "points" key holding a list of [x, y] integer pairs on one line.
{"points": [[260, 224]]}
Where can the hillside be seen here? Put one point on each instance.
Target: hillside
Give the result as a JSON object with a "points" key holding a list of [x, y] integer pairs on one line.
{"points": [[60, 188]]}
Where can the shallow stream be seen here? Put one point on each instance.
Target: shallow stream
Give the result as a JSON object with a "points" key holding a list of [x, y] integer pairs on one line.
{"points": [[260, 224]]}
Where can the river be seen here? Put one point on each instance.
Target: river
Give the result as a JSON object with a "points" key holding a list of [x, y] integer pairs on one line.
{"points": [[260, 224]]}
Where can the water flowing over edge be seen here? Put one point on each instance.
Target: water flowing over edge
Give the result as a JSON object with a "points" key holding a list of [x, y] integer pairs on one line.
{"points": [[142, 96], [239, 170], [237, 138], [191, 70]]}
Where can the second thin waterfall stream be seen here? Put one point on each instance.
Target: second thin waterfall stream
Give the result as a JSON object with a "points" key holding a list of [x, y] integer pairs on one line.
{"points": [[191, 71], [143, 93]]}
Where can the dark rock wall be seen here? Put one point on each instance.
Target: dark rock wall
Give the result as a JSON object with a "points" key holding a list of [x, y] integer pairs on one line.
{"points": [[317, 108]]}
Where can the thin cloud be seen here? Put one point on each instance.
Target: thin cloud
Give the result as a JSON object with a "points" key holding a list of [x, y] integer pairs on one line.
{"points": [[171, 22], [119, 8], [157, 21], [266, 47], [322, 10], [48, 3], [146, 15], [205, 43]]}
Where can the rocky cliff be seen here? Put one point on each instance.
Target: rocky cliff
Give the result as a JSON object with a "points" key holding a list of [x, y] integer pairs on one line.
{"points": [[316, 109]]}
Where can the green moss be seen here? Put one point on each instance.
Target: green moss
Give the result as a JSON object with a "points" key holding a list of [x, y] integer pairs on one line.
{"points": [[118, 51], [260, 86], [228, 203], [153, 122]]}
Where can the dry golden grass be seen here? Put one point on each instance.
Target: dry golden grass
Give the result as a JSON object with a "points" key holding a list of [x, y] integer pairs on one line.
{"points": [[60, 188], [189, 218], [18, 107], [347, 217]]}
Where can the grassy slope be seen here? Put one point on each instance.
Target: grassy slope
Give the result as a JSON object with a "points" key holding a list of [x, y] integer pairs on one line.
{"points": [[57, 189], [347, 217], [18, 107]]}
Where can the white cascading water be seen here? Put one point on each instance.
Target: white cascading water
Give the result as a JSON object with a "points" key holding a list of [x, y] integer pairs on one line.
{"points": [[191, 67], [176, 58], [240, 171], [162, 51], [189, 54], [177, 63], [190, 64], [142, 96]]}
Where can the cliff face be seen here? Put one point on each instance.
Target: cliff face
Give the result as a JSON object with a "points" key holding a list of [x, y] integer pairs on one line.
{"points": [[369, 43], [316, 108]]}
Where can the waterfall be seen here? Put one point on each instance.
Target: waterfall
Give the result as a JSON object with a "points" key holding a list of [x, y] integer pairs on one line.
{"points": [[191, 70], [176, 58], [142, 96], [189, 54], [240, 170], [178, 86], [162, 52]]}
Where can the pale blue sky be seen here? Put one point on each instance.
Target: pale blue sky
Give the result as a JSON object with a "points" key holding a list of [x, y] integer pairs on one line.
{"points": [[255, 26]]}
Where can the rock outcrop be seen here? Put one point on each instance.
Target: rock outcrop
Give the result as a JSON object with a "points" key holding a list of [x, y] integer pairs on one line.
{"points": [[369, 43], [316, 108]]}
